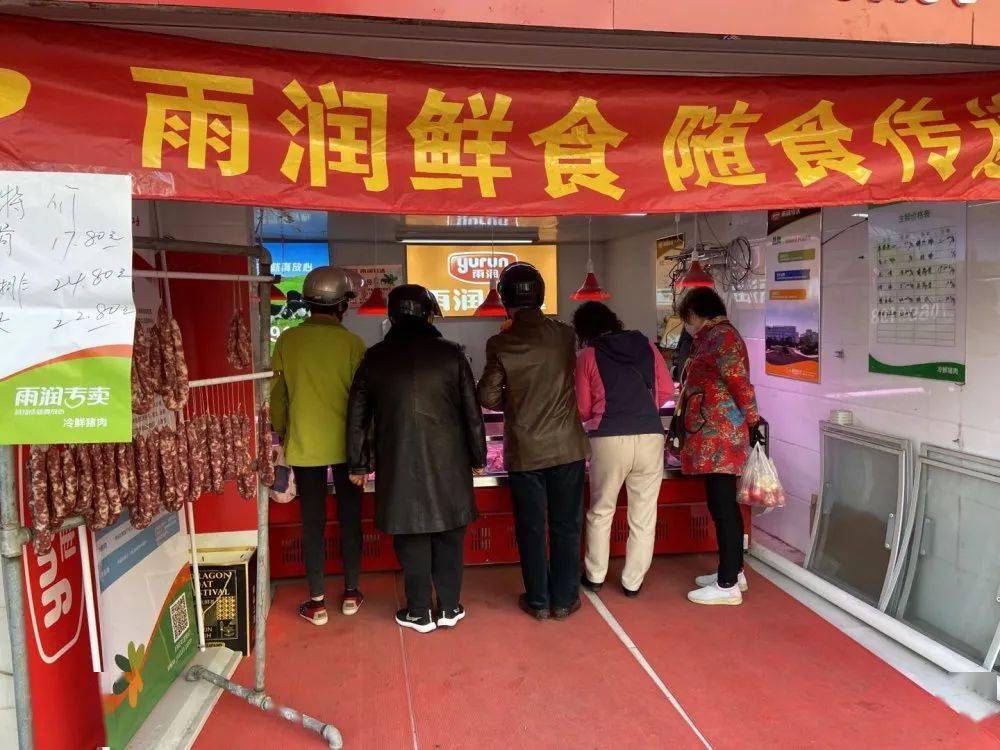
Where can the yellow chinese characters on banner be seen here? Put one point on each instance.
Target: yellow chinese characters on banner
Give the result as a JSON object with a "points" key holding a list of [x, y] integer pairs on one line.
{"points": [[460, 275]]}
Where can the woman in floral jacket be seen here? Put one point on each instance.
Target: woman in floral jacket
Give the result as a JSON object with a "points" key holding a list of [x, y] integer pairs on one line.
{"points": [[718, 420]]}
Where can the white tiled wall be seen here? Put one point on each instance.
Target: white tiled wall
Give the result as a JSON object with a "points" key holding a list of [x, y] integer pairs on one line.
{"points": [[924, 411]]}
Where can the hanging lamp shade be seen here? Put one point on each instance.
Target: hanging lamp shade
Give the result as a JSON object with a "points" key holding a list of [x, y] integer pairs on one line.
{"points": [[695, 276], [277, 296], [491, 307], [591, 289], [375, 304]]}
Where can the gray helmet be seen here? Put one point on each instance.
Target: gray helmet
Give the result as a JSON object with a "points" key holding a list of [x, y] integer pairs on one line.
{"points": [[328, 286]]}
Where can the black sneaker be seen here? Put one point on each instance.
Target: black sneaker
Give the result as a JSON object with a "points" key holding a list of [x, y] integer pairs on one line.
{"points": [[449, 617], [630, 593], [423, 623], [590, 585]]}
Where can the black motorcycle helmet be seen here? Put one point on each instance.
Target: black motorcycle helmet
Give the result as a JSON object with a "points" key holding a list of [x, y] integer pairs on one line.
{"points": [[413, 300], [521, 285]]}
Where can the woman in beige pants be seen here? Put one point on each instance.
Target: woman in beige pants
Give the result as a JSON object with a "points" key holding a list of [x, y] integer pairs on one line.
{"points": [[621, 382]]}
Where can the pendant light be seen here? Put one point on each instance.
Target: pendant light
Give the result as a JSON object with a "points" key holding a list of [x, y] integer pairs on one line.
{"points": [[376, 304], [695, 276], [591, 288], [492, 306]]}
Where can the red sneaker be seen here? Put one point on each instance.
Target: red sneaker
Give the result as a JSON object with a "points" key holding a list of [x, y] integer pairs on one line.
{"points": [[352, 602], [313, 611]]}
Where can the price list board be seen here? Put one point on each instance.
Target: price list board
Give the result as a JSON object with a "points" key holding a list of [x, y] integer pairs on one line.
{"points": [[66, 312], [918, 291]]}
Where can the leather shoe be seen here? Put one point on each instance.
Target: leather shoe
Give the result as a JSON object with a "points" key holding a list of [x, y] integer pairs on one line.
{"points": [[630, 593], [538, 614], [590, 585], [561, 613]]}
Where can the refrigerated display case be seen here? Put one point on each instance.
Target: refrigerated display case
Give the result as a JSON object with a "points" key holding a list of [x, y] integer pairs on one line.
{"points": [[683, 523]]}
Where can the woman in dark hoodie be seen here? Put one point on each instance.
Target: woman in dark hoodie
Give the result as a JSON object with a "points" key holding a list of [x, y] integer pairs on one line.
{"points": [[621, 382]]}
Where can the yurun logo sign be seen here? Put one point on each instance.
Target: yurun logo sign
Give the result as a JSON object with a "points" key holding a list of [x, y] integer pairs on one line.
{"points": [[478, 267]]}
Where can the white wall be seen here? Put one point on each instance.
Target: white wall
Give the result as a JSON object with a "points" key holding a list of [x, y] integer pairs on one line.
{"points": [[967, 416]]}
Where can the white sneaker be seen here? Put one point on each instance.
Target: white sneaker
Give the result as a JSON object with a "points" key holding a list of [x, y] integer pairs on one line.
{"points": [[711, 578], [715, 594]]}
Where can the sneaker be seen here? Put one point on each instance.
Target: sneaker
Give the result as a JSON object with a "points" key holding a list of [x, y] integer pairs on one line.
{"points": [[715, 594], [590, 585], [538, 614], [711, 578], [561, 613], [423, 623], [314, 611], [449, 617], [353, 599]]}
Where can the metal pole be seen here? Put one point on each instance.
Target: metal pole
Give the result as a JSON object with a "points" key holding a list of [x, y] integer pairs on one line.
{"points": [[13, 590], [208, 248], [199, 276], [263, 590]]}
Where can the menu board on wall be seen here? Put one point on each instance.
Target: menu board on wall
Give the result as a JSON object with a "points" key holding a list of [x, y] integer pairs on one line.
{"points": [[66, 310], [792, 306], [667, 250], [460, 275], [918, 290]]}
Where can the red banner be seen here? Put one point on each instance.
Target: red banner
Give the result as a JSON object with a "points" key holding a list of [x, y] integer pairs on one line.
{"points": [[196, 120]]}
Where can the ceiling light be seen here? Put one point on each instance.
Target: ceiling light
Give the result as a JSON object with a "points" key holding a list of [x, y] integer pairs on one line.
{"points": [[860, 216]]}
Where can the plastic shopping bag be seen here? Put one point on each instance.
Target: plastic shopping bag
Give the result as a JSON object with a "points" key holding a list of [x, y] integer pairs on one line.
{"points": [[283, 490], [759, 485]]}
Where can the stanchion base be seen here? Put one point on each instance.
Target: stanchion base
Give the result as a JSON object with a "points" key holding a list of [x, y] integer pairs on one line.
{"points": [[261, 700]]}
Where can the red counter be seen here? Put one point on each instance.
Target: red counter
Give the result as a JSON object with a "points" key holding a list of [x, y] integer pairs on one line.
{"points": [[682, 525]]}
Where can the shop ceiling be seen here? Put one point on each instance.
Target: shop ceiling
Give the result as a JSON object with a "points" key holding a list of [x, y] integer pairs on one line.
{"points": [[388, 228], [527, 48]]}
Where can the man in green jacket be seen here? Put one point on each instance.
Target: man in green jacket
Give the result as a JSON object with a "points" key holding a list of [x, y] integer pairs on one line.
{"points": [[314, 364]]}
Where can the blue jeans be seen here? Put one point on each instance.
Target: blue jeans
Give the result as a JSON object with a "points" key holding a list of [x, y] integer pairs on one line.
{"points": [[551, 580]]}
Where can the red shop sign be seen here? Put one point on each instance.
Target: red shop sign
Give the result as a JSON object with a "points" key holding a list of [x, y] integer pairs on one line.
{"points": [[197, 120]]}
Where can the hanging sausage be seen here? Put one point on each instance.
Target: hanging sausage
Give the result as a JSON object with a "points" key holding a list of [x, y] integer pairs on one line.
{"points": [[239, 349], [102, 508], [57, 487], [265, 451], [182, 473], [143, 382], [216, 454], [85, 486], [71, 479], [39, 501]]}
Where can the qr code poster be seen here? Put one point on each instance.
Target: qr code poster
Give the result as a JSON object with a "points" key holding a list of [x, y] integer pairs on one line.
{"points": [[148, 629]]}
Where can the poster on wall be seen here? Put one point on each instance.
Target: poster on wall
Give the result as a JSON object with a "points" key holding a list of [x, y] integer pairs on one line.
{"points": [[918, 290], [66, 310], [667, 249], [460, 275], [292, 261], [792, 305], [148, 629], [366, 278]]}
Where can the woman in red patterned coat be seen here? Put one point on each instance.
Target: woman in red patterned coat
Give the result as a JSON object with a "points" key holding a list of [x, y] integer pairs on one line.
{"points": [[718, 423]]}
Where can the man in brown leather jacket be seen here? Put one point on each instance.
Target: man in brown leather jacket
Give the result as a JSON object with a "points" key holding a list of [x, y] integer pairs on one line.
{"points": [[529, 374]]}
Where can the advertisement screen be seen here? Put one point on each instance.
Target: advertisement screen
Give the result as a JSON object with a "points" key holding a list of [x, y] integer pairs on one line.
{"points": [[292, 261], [460, 275]]}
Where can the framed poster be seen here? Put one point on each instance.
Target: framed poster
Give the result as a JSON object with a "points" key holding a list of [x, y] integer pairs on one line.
{"points": [[918, 290], [667, 250], [793, 299]]}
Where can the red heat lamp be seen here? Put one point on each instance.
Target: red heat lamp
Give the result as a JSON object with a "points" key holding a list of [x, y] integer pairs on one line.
{"points": [[491, 307], [696, 276], [277, 296], [591, 289], [375, 304]]}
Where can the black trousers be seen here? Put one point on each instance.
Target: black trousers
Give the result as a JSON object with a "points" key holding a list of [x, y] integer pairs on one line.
{"points": [[431, 559], [725, 512], [551, 580], [311, 484]]}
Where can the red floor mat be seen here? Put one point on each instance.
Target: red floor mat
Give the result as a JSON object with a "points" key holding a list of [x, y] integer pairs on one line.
{"points": [[503, 680], [772, 674], [347, 673]]}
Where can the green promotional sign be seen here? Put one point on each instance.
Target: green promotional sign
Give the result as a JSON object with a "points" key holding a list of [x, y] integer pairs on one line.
{"points": [[66, 311]]}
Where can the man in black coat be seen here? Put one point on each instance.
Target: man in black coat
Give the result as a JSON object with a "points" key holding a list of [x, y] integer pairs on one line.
{"points": [[428, 440]]}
